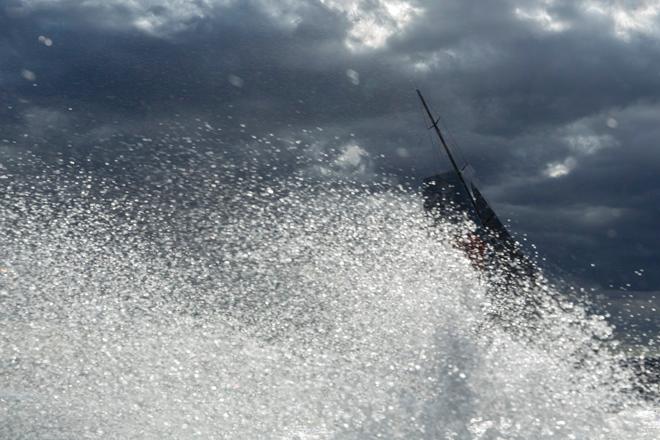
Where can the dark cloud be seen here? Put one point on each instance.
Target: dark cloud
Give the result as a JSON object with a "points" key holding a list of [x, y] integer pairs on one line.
{"points": [[555, 103]]}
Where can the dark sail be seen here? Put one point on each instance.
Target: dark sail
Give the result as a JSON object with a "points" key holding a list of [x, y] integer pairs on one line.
{"points": [[454, 198], [488, 218], [445, 192], [445, 196]]}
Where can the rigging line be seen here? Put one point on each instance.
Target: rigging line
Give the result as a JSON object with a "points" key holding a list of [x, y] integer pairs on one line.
{"points": [[424, 118], [454, 143], [449, 154], [435, 150], [464, 163], [460, 152], [432, 144]]}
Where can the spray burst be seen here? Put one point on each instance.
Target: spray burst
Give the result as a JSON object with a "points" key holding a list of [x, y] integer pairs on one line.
{"points": [[209, 301]]}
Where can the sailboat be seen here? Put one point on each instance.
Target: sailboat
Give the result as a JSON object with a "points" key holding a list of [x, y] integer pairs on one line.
{"points": [[453, 198], [514, 280]]}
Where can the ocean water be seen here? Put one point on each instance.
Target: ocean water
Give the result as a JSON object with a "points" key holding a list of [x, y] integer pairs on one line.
{"points": [[195, 305]]}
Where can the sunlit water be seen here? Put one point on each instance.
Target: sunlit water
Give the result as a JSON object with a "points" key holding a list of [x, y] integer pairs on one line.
{"points": [[279, 309]]}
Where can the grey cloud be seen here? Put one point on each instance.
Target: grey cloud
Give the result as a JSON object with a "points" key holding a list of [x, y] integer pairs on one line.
{"points": [[520, 91], [521, 75]]}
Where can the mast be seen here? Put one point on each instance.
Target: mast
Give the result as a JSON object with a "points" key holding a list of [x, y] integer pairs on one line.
{"points": [[451, 156]]}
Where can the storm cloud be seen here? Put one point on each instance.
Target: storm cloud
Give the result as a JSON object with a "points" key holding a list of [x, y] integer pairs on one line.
{"points": [[555, 103]]}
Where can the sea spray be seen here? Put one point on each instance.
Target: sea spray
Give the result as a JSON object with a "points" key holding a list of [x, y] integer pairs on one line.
{"points": [[207, 302]]}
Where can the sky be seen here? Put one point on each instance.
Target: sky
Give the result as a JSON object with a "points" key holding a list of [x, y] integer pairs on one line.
{"points": [[555, 103]]}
